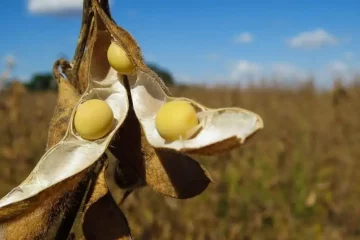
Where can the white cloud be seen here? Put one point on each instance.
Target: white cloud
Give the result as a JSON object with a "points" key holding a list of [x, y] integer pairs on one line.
{"points": [[343, 70], [288, 72], [312, 39], [337, 67], [245, 70], [55, 6], [244, 37]]}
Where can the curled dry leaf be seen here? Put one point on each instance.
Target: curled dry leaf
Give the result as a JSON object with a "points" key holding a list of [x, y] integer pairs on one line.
{"points": [[176, 175], [102, 218]]}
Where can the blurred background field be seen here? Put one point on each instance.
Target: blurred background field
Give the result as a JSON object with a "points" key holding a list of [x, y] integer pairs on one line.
{"points": [[296, 179]]}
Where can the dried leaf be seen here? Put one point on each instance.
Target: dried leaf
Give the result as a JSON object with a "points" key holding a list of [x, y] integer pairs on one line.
{"points": [[175, 175], [102, 218]]}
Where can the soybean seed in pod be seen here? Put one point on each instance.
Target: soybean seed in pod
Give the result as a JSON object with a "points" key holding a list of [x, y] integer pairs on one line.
{"points": [[175, 119], [119, 59], [93, 119]]}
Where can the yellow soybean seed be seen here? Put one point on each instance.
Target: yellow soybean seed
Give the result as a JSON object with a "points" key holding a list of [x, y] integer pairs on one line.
{"points": [[118, 59], [175, 119], [93, 119]]}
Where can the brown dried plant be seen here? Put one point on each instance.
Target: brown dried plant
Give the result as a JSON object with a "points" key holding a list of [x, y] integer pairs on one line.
{"points": [[10, 106], [76, 190]]}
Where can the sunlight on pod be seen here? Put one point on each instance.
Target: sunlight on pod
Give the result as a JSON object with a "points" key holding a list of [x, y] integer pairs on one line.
{"points": [[230, 125], [176, 120], [74, 152], [93, 119], [119, 59]]}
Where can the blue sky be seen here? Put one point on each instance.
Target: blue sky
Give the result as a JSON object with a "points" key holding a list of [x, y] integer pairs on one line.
{"points": [[203, 41]]}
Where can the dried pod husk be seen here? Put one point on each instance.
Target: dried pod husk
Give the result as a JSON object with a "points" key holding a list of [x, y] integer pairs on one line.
{"points": [[68, 98], [72, 154], [32, 218], [218, 130]]}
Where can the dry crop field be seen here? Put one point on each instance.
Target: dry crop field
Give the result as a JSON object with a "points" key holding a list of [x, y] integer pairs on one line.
{"points": [[298, 178]]}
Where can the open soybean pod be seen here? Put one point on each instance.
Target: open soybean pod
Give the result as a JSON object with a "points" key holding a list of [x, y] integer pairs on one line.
{"points": [[73, 154], [218, 129], [162, 163]]}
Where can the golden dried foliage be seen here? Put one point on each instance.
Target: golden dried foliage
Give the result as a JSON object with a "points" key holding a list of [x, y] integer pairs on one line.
{"points": [[263, 190]]}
